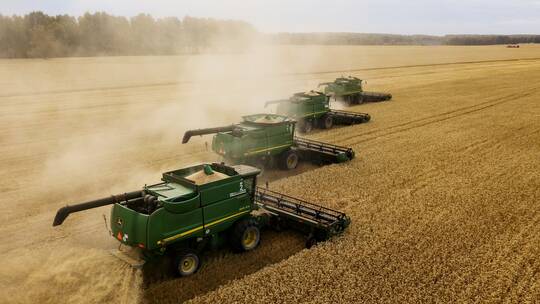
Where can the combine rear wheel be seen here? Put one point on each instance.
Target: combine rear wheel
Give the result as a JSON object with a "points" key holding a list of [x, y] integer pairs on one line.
{"points": [[187, 262], [314, 238], [262, 165], [246, 235], [289, 160], [306, 126], [359, 99], [354, 99], [326, 122]]}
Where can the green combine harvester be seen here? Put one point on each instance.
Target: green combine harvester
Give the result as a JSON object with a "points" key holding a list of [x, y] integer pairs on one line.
{"points": [[349, 89], [312, 109], [267, 140], [206, 207]]}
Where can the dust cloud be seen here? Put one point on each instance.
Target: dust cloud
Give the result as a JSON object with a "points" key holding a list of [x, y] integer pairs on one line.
{"points": [[68, 275], [80, 129], [77, 129]]}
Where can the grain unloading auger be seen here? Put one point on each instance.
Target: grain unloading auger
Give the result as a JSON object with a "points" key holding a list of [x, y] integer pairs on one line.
{"points": [[350, 90], [205, 207], [266, 140], [312, 109]]}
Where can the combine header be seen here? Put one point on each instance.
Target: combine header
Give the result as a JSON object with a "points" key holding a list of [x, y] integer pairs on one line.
{"points": [[349, 89], [266, 140], [312, 109], [205, 207]]}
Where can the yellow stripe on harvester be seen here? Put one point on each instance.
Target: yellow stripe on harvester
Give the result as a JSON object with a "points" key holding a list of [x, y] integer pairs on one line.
{"points": [[226, 218], [305, 115], [267, 149], [174, 237]]}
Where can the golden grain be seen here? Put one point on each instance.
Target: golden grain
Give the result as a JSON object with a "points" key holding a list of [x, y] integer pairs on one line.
{"points": [[444, 193]]}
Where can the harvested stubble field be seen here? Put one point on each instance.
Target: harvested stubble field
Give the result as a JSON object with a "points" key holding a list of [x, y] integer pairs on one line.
{"points": [[444, 194]]}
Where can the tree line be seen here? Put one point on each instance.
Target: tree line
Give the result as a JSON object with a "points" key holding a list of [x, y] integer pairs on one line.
{"points": [[490, 39], [390, 39], [38, 35]]}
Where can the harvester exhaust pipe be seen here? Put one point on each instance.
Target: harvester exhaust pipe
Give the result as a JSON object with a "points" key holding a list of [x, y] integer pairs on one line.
{"points": [[191, 133], [63, 212]]}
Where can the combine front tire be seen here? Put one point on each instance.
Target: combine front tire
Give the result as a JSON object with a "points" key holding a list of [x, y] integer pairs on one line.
{"points": [[187, 262], [289, 160], [246, 235], [311, 241]]}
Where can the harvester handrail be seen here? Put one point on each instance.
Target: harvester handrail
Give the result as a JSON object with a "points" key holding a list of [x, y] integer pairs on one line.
{"points": [[348, 113], [309, 143], [322, 215], [376, 93]]}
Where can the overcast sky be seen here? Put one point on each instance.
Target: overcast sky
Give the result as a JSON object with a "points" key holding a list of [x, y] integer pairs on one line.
{"points": [[374, 16]]}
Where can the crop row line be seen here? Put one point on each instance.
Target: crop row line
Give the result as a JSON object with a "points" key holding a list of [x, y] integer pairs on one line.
{"points": [[175, 83]]}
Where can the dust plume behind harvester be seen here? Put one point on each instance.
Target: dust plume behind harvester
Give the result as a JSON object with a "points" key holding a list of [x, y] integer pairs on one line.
{"points": [[312, 109], [268, 140], [350, 90], [206, 207]]}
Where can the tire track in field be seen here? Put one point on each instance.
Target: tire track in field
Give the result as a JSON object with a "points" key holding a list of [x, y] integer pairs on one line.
{"points": [[423, 121], [420, 120], [514, 242], [422, 73], [423, 179], [417, 123], [176, 83], [483, 148], [414, 66]]}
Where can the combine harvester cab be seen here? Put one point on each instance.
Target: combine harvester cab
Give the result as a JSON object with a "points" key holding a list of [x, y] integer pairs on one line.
{"points": [[350, 90], [204, 207], [312, 109], [267, 140]]}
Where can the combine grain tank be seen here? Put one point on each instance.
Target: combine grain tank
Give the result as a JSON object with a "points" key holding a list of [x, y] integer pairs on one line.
{"points": [[267, 140], [350, 90], [204, 207], [312, 109]]}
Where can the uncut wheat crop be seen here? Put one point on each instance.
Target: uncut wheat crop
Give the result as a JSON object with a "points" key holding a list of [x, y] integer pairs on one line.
{"points": [[444, 192]]}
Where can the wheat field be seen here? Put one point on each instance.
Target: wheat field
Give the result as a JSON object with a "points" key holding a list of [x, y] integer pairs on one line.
{"points": [[444, 194]]}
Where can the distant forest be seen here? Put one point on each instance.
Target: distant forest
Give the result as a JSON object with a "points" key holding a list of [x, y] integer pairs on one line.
{"points": [[37, 35], [389, 39]]}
